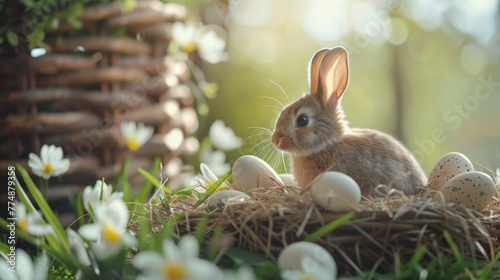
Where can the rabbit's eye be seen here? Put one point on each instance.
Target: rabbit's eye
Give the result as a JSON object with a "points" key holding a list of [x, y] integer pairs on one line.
{"points": [[302, 121]]}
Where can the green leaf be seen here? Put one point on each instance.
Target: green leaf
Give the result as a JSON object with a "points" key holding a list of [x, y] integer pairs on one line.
{"points": [[12, 38], [74, 22], [54, 23], [75, 10], [213, 188], [328, 228], [35, 38]]}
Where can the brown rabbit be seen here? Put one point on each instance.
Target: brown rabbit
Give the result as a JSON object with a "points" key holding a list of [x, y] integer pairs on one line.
{"points": [[318, 138]]}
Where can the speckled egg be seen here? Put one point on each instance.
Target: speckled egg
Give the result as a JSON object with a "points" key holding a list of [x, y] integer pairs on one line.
{"points": [[473, 189], [335, 191], [250, 172], [449, 166]]}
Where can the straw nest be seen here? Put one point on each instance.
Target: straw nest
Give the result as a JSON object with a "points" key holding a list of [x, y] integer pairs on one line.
{"points": [[383, 231]]}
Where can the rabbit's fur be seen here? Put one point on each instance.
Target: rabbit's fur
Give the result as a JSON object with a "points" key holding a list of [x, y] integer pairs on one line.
{"points": [[314, 132]]}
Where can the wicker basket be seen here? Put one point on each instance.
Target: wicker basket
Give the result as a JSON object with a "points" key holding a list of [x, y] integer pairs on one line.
{"points": [[115, 68]]}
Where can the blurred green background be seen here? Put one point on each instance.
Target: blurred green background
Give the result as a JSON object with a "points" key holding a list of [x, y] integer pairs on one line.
{"points": [[426, 72]]}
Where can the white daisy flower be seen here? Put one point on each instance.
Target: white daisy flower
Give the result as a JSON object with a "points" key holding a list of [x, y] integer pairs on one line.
{"points": [[216, 160], [208, 177], [211, 47], [31, 222], [177, 262], [50, 163], [109, 230], [101, 192], [184, 35], [190, 37], [25, 268], [223, 137], [135, 135]]}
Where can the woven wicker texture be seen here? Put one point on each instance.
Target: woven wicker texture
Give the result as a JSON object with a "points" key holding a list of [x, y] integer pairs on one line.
{"points": [[115, 68]]}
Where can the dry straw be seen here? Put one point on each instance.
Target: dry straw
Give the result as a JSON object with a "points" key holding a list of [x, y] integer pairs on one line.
{"points": [[383, 232]]}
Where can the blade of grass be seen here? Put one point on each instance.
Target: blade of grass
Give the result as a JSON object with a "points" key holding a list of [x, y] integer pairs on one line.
{"points": [[416, 258], [44, 207], [123, 178], [146, 188], [453, 246], [201, 227], [331, 226], [153, 180], [211, 190]]}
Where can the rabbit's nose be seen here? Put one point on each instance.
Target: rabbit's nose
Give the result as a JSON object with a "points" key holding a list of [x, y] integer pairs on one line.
{"points": [[276, 138]]}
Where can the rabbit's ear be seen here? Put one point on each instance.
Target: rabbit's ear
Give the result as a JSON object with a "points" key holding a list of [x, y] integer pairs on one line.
{"points": [[333, 76], [314, 67]]}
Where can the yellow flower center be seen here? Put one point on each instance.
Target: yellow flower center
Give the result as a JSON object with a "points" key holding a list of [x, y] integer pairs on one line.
{"points": [[174, 271], [22, 224], [110, 234], [47, 168], [189, 47], [132, 144], [307, 277]]}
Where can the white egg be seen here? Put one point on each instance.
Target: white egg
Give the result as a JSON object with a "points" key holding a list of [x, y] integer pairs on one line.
{"points": [[335, 191], [473, 189], [288, 179], [250, 172], [292, 256], [223, 197], [449, 166]]}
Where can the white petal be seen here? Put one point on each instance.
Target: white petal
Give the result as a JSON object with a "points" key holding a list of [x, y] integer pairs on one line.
{"points": [[40, 230], [61, 166], [189, 247], [87, 198], [103, 250], [171, 252], [41, 268], [202, 269], [246, 273], [5, 273], [150, 277], [24, 265], [34, 161], [207, 172], [148, 261], [90, 231], [44, 154], [129, 240], [20, 211]]}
